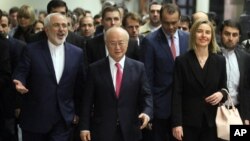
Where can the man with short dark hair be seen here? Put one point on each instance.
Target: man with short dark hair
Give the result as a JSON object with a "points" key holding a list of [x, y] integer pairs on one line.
{"points": [[96, 48], [131, 22], [6, 113], [159, 50], [154, 22], [237, 65]]}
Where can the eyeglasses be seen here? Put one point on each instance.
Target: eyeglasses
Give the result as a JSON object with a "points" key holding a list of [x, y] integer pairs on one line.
{"points": [[120, 43]]}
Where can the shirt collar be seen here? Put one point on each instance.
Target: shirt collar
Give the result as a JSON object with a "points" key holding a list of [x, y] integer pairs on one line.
{"points": [[121, 62]]}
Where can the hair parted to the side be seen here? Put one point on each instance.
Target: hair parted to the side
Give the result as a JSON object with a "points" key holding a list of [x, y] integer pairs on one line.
{"points": [[213, 47]]}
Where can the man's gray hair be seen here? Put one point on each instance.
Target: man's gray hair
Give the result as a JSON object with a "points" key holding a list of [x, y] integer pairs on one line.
{"points": [[48, 17]]}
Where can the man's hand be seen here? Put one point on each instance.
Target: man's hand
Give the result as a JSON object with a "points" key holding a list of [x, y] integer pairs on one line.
{"points": [[178, 133], [20, 87], [85, 135], [145, 119]]}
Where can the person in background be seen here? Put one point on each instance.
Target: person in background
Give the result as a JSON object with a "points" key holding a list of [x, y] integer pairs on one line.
{"points": [[72, 21], [154, 22], [96, 48], [117, 93], [86, 27], [13, 18], [246, 43], [26, 18], [42, 15], [199, 86], [50, 76], [237, 63], [6, 113], [131, 23], [185, 23], [158, 52], [38, 26], [97, 20], [11, 100], [199, 15]]}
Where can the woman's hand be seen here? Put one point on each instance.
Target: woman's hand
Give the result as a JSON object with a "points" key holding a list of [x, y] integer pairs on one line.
{"points": [[215, 98]]}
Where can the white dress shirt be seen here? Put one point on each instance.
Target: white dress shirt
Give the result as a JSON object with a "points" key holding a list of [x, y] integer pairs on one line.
{"points": [[113, 68], [176, 42], [233, 74], [58, 57]]}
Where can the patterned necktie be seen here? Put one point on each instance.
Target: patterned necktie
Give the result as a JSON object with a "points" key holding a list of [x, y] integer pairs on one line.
{"points": [[173, 50], [118, 79]]}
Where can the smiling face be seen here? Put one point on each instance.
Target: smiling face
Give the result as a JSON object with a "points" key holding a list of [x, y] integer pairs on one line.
{"points": [[57, 29], [203, 35]]}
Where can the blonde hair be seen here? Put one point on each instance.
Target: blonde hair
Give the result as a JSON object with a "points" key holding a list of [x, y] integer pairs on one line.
{"points": [[27, 11], [213, 47]]}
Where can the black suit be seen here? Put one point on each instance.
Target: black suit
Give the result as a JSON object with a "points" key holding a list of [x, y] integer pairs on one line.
{"points": [[192, 84], [5, 80], [109, 111], [96, 49]]}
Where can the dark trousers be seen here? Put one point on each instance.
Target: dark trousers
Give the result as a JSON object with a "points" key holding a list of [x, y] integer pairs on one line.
{"points": [[162, 130], [7, 129], [59, 132], [204, 133], [118, 135]]}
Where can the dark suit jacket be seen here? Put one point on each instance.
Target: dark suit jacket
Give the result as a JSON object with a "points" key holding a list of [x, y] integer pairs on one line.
{"points": [[96, 49], [16, 48], [47, 101], [192, 86], [159, 63], [5, 76], [244, 86], [135, 97]]}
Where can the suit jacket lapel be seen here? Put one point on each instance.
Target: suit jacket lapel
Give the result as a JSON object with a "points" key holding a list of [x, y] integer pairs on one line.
{"points": [[107, 76], [125, 77], [101, 45], [193, 62], [164, 43], [67, 56], [240, 61], [48, 59], [181, 43]]}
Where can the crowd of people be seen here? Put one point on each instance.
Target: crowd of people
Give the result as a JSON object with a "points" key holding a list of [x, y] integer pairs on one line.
{"points": [[73, 76]]}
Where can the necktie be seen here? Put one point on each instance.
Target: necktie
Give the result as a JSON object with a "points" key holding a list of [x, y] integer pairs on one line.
{"points": [[118, 79], [173, 47]]}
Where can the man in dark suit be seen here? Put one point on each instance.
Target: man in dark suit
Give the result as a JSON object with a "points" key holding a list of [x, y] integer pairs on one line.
{"points": [[237, 62], [15, 48], [119, 94], [50, 76], [5, 78], [95, 47], [159, 50]]}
